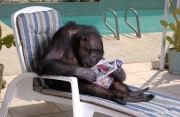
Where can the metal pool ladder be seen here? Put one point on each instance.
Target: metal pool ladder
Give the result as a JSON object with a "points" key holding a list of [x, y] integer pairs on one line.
{"points": [[138, 33], [116, 34]]}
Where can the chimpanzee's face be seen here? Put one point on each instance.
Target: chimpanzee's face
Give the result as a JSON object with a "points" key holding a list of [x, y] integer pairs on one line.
{"points": [[90, 49]]}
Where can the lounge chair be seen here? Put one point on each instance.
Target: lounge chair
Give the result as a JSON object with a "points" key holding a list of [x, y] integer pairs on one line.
{"points": [[33, 28]]}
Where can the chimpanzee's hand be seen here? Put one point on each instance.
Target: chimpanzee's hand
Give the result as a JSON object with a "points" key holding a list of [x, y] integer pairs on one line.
{"points": [[86, 74], [119, 74]]}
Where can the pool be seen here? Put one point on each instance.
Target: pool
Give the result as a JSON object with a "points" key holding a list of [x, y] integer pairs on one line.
{"points": [[149, 21]]}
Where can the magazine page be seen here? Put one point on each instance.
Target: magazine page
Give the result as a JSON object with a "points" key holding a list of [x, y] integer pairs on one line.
{"points": [[103, 69]]}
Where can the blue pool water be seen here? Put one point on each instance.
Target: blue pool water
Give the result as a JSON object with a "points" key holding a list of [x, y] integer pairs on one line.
{"points": [[149, 21]]}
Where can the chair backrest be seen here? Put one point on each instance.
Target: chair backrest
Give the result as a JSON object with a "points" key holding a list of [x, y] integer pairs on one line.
{"points": [[33, 29]]}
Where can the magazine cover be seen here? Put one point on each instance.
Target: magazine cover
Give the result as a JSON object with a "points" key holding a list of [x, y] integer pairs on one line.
{"points": [[103, 69]]}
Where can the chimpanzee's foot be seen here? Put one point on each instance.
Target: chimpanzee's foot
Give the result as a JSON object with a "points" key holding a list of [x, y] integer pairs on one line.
{"points": [[147, 97], [138, 93], [120, 101], [119, 98], [142, 98]]}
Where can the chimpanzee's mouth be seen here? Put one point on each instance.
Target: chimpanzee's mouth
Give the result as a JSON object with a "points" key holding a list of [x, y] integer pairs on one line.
{"points": [[87, 65]]}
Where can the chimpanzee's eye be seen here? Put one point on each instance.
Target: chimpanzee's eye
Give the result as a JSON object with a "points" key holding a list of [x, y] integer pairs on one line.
{"points": [[100, 51], [96, 50], [85, 38]]}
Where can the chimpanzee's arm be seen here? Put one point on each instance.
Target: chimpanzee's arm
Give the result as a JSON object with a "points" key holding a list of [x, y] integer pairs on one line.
{"points": [[119, 74], [54, 67]]}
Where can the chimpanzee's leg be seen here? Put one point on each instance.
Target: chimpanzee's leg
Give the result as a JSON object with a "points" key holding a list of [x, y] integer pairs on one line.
{"points": [[131, 96], [95, 90], [120, 88]]}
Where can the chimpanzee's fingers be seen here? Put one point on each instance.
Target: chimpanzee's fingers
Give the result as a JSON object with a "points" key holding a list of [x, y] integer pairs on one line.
{"points": [[90, 78], [86, 74]]}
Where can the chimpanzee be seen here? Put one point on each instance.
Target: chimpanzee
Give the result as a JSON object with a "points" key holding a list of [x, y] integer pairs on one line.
{"points": [[74, 49]]}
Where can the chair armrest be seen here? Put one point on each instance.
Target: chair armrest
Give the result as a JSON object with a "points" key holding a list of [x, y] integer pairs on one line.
{"points": [[33, 75], [72, 80], [74, 89]]}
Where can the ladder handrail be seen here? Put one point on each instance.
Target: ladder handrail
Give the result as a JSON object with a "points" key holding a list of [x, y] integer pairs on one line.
{"points": [[116, 34], [138, 33]]}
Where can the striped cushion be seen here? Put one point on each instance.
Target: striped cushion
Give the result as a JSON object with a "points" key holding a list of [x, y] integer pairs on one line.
{"points": [[36, 31], [160, 106]]}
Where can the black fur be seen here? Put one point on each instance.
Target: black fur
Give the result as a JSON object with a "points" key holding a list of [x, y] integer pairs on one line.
{"points": [[72, 51]]}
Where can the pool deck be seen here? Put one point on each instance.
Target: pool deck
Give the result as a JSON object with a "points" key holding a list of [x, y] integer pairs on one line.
{"points": [[136, 54], [130, 49]]}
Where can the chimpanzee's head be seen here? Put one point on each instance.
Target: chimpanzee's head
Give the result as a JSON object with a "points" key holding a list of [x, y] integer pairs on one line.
{"points": [[90, 46]]}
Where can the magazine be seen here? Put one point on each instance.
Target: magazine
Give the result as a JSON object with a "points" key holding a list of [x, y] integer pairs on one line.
{"points": [[103, 68]]}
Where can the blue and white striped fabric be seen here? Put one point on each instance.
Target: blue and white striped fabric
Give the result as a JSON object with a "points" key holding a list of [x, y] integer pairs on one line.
{"points": [[36, 31], [160, 106]]}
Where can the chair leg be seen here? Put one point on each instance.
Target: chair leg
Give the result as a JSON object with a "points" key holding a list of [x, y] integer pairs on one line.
{"points": [[7, 100], [87, 112]]}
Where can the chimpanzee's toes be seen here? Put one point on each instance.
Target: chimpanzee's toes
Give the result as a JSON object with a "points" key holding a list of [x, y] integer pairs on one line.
{"points": [[151, 96], [139, 92], [146, 89], [148, 97]]}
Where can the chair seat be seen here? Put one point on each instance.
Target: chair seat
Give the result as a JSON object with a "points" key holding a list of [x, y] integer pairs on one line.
{"points": [[161, 105]]}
